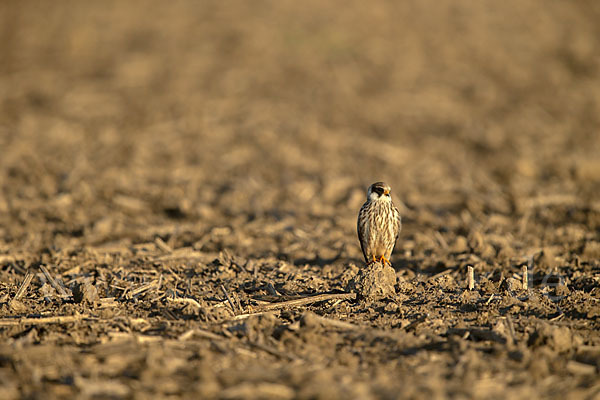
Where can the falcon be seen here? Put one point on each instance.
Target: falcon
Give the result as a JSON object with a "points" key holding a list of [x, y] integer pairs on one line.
{"points": [[378, 224]]}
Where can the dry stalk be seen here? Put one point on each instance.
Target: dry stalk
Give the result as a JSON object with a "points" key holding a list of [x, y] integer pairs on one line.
{"points": [[470, 277], [24, 285]]}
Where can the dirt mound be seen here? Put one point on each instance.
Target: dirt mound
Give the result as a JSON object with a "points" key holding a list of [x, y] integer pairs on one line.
{"points": [[375, 281]]}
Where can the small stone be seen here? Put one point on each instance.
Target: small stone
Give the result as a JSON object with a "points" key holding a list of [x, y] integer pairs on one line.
{"points": [[85, 292], [512, 285]]}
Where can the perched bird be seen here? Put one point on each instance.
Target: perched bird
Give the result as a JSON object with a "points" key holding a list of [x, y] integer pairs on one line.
{"points": [[378, 224]]}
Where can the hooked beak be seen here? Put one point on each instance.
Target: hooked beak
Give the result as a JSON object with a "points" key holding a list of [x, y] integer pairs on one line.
{"points": [[385, 191]]}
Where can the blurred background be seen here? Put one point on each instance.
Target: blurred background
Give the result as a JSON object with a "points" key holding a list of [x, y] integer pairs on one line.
{"points": [[127, 120]]}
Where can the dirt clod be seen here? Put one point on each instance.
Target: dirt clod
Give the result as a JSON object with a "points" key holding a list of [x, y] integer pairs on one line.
{"points": [[85, 292], [559, 338], [374, 282]]}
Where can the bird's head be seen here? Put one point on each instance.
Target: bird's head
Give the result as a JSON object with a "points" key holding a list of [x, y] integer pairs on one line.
{"points": [[379, 191]]}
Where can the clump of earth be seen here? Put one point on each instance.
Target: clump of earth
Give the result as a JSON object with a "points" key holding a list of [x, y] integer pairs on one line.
{"points": [[376, 281]]}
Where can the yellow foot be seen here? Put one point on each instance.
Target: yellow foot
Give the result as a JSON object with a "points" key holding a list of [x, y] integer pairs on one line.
{"points": [[385, 260], [380, 259]]}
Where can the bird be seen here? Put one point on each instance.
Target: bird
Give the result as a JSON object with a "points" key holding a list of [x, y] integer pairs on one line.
{"points": [[378, 224]]}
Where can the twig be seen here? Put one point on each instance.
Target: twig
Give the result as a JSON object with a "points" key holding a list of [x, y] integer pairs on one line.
{"points": [[490, 299], [229, 300], [237, 302], [162, 245], [12, 263], [107, 302], [471, 277], [334, 305], [24, 286], [185, 300], [439, 274], [160, 281], [559, 316], [303, 301], [42, 321], [501, 281], [248, 315], [143, 288], [525, 277], [53, 282]]}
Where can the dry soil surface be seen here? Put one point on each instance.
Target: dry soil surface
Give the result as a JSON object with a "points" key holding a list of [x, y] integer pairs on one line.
{"points": [[173, 172]]}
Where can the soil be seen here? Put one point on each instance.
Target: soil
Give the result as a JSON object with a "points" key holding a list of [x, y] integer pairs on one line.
{"points": [[172, 172]]}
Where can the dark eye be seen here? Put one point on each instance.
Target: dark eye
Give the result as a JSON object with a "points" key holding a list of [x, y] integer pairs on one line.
{"points": [[378, 190]]}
